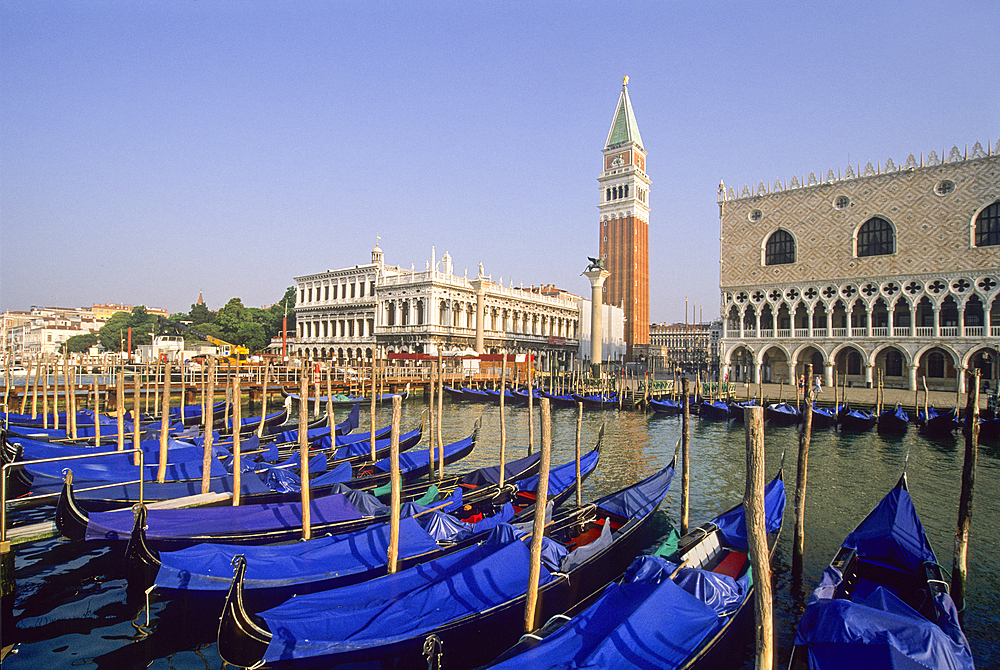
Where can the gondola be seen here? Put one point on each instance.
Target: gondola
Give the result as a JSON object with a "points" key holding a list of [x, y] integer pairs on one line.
{"points": [[782, 414], [265, 523], [465, 608], [739, 409], [508, 397], [717, 410], [857, 420], [665, 406], [937, 424], [560, 399], [893, 421], [522, 396], [454, 393], [475, 395], [823, 417], [429, 529], [597, 400], [883, 601], [253, 489], [679, 611]]}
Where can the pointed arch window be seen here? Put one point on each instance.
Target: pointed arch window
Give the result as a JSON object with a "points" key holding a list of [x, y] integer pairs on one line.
{"points": [[780, 248], [988, 226], [876, 237]]}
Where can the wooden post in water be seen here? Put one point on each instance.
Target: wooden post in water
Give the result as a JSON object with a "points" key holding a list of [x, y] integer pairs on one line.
{"points": [[685, 455], [136, 399], [120, 405], [433, 419], [55, 393], [97, 411], [263, 404], [45, 392], [579, 478], [209, 421], [316, 391], [371, 414], [395, 484], [304, 451], [237, 455], [538, 528], [70, 393], [440, 411], [329, 402], [503, 421], [959, 570], [161, 472], [923, 378], [805, 435], [753, 507], [531, 413]]}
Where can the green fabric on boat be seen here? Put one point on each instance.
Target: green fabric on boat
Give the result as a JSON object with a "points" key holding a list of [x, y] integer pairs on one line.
{"points": [[430, 496], [668, 548]]}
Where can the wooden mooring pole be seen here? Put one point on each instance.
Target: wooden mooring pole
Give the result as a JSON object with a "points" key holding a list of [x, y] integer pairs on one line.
{"points": [[304, 451], [538, 528], [208, 419], [396, 485], [805, 434], [960, 567], [685, 456], [753, 507]]}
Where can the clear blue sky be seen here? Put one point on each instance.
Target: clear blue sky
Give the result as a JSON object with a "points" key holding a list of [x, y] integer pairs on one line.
{"points": [[152, 150]]}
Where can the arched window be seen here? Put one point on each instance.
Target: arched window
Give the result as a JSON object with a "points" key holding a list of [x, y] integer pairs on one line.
{"points": [[893, 363], [988, 226], [609, 195], [935, 364], [876, 238], [780, 248]]}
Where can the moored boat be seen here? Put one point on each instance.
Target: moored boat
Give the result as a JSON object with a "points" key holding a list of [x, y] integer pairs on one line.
{"points": [[681, 611], [883, 602], [893, 421], [467, 606]]}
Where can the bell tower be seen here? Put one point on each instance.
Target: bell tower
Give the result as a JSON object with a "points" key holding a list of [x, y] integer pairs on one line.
{"points": [[624, 227]]}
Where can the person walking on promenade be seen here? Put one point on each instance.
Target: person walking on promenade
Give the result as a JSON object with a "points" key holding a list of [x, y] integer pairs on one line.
{"points": [[818, 385]]}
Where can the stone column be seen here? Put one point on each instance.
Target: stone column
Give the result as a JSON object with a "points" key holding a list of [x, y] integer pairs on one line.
{"points": [[811, 311], [868, 374], [912, 382], [960, 371], [743, 324], [937, 321], [828, 374], [597, 278], [479, 284]]}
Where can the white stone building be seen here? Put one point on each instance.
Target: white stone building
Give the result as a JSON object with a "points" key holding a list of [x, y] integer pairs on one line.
{"points": [[347, 314], [890, 271]]}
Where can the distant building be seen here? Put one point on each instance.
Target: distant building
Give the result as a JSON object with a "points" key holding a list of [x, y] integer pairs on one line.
{"points": [[106, 310], [47, 328], [891, 270], [686, 347], [624, 227], [348, 314]]}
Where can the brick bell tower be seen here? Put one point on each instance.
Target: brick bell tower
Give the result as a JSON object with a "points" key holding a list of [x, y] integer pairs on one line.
{"points": [[624, 229]]}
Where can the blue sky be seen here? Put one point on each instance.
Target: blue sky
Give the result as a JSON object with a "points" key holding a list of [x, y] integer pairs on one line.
{"points": [[149, 151]]}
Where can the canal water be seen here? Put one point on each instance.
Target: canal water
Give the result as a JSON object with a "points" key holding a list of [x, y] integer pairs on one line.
{"points": [[71, 608]]}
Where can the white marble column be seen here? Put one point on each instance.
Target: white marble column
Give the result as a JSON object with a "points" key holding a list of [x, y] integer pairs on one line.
{"points": [[597, 278]]}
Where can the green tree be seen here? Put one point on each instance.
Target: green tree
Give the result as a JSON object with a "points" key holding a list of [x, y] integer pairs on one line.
{"points": [[82, 342], [200, 313], [231, 316], [278, 312], [113, 335], [252, 336]]}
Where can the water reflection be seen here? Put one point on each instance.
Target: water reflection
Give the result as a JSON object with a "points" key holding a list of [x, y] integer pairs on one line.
{"points": [[71, 606]]}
